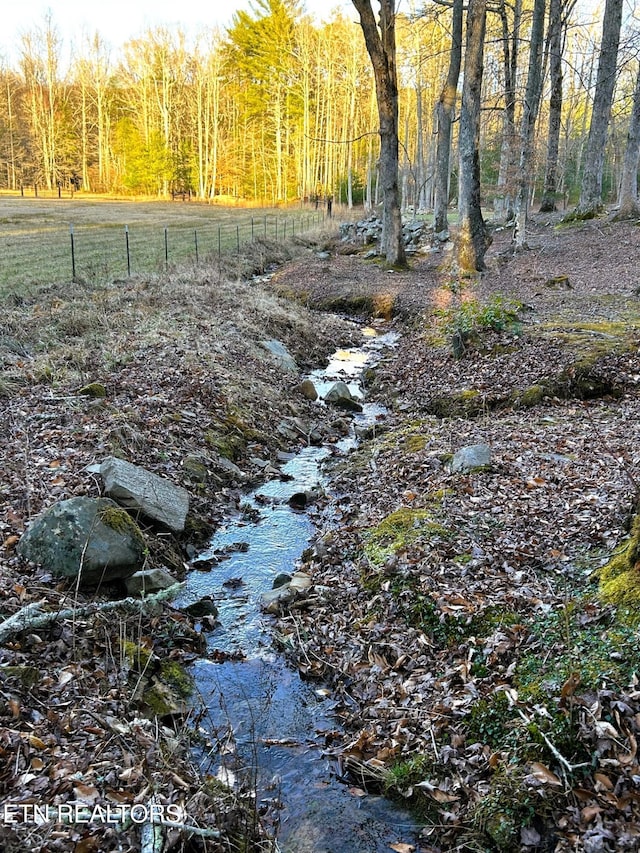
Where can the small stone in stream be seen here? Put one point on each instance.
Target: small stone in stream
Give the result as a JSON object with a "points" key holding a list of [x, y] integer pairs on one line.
{"points": [[233, 583], [204, 607], [298, 501], [308, 390], [280, 580]]}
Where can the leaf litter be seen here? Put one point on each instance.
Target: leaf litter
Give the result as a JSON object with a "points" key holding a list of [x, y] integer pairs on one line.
{"points": [[454, 618]]}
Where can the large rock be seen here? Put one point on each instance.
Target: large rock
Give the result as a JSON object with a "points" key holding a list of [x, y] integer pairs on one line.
{"points": [[475, 457], [339, 395], [281, 355], [140, 490], [92, 538]]}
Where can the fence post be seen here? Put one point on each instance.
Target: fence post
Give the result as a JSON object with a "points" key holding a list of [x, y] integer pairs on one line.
{"points": [[166, 249], [265, 225], [276, 228], [252, 229], [238, 238], [219, 249], [73, 254], [195, 237], [126, 241]]}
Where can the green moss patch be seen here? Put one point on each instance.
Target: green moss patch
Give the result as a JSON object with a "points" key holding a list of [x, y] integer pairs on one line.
{"points": [[398, 530], [620, 577]]}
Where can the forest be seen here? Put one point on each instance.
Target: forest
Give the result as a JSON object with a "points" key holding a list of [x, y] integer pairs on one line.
{"points": [[278, 107]]}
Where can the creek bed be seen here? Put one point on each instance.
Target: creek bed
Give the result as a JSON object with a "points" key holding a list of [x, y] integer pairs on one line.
{"points": [[266, 726]]}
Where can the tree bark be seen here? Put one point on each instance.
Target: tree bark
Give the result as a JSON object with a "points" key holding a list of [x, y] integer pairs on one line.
{"points": [[529, 117], [503, 202], [444, 114], [548, 203], [628, 207], [472, 241], [381, 47], [590, 203]]}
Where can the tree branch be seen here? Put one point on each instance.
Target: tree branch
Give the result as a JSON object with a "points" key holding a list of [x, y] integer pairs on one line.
{"points": [[33, 616]]}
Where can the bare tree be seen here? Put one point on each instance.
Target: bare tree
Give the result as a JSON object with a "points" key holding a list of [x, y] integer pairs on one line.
{"points": [[381, 45], [528, 124], [558, 10], [628, 207], [590, 203], [503, 202], [444, 112], [472, 240]]}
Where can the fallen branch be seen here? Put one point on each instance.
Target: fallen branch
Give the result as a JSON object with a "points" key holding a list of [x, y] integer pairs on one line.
{"points": [[566, 765], [33, 616]]}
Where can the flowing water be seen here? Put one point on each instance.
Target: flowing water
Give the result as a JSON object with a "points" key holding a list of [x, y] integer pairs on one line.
{"points": [[262, 718]]}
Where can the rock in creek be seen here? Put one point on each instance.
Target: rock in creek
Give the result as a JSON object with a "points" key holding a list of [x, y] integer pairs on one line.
{"points": [[339, 395]]}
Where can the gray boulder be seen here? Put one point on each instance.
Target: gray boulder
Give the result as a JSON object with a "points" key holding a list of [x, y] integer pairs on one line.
{"points": [[281, 355], [92, 538], [475, 457], [339, 395], [140, 490]]}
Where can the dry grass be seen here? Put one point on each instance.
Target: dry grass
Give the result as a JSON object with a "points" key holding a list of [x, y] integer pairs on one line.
{"points": [[35, 237]]}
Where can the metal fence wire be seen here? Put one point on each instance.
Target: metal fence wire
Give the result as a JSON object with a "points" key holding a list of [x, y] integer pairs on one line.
{"points": [[107, 252], [101, 252]]}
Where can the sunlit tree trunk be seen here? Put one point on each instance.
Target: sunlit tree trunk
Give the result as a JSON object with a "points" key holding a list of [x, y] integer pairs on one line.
{"points": [[503, 202], [548, 202], [445, 112], [381, 46], [472, 240]]}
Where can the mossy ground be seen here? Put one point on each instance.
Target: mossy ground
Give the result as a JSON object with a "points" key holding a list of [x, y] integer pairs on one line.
{"points": [[620, 577]]}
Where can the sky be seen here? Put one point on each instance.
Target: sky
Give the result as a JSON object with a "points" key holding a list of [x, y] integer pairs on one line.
{"points": [[117, 21]]}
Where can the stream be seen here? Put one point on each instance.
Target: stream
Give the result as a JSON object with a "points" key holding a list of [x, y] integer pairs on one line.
{"points": [[264, 724]]}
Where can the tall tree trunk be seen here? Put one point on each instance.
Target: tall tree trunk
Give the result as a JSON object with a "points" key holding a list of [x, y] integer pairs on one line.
{"points": [[444, 114], [472, 241], [528, 126], [548, 202], [503, 202], [381, 46], [590, 202], [628, 207]]}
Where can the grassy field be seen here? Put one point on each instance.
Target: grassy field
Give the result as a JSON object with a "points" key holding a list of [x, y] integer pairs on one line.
{"points": [[36, 236]]}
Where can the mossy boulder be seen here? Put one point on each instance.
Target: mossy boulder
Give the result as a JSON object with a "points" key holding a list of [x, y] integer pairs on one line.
{"points": [[96, 390], [92, 539]]}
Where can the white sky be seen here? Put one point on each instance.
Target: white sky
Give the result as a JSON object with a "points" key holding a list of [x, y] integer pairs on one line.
{"points": [[117, 21]]}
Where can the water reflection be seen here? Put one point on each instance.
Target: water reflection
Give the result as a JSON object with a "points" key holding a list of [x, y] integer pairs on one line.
{"points": [[278, 723]]}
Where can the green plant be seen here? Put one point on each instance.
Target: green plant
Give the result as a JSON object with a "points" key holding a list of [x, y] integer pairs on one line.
{"points": [[505, 810], [472, 319]]}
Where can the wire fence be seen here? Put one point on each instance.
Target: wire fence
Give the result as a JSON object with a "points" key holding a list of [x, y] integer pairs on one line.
{"points": [[103, 252]]}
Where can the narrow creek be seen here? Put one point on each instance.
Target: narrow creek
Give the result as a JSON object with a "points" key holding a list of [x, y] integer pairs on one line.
{"points": [[265, 724]]}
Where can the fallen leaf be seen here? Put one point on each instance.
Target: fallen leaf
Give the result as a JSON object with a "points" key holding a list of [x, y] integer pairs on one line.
{"points": [[85, 793], [603, 782], [543, 774], [400, 847], [588, 813]]}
